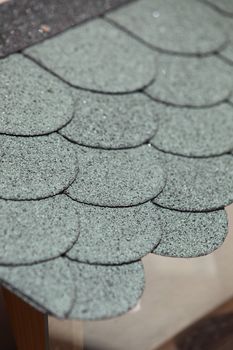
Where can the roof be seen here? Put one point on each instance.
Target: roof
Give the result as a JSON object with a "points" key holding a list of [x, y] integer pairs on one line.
{"points": [[116, 141]]}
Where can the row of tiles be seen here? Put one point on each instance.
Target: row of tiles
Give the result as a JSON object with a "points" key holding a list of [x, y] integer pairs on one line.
{"points": [[39, 103]]}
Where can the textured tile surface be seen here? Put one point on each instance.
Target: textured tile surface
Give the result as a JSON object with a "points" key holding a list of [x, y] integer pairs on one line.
{"points": [[37, 230], [227, 53], [33, 168], [108, 59], [196, 184], [174, 26], [224, 6], [34, 103], [196, 132], [25, 22], [106, 291], [117, 178], [113, 122], [116, 235], [82, 181], [192, 81], [187, 234]]}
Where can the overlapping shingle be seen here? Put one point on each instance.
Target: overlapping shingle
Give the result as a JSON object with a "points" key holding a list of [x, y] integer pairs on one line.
{"points": [[117, 178], [196, 184], [116, 235], [32, 101], [98, 57], [34, 168], [112, 122], [224, 6], [33, 231], [196, 132], [192, 81], [187, 234], [79, 257], [173, 26], [106, 291]]}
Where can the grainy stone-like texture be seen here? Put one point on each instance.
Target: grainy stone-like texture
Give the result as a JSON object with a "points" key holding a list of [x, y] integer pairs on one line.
{"points": [[110, 149], [34, 103], [174, 26], [196, 132], [227, 54], [117, 178], [188, 235], [116, 235], [191, 81], [34, 168], [196, 184], [34, 231], [113, 122], [224, 6], [106, 291], [98, 57]]}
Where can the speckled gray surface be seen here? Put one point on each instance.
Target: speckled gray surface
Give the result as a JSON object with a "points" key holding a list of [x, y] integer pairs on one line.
{"points": [[116, 235], [187, 234], [34, 103], [117, 178], [192, 81], [34, 231], [33, 168], [227, 54], [224, 6], [113, 122], [40, 285], [177, 31], [196, 184], [101, 162], [196, 132], [108, 59], [106, 291]]}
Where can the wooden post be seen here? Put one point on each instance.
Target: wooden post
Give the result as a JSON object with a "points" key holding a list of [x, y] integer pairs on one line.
{"points": [[29, 326]]}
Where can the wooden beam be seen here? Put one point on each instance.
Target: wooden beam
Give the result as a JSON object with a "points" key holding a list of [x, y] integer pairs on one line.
{"points": [[29, 326]]}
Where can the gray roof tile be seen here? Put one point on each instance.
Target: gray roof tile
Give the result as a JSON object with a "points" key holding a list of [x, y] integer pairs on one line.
{"points": [[196, 184], [28, 228], [192, 81], [189, 235], [113, 122], [32, 101], [195, 132], [116, 235], [117, 178], [34, 168], [174, 26], [106, 291], [98, 57], [225, 7]]}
